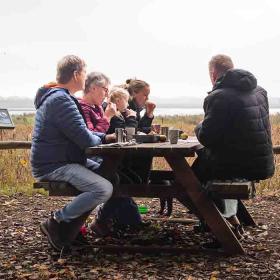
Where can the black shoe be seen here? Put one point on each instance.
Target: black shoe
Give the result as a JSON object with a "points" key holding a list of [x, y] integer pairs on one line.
{"points": [[52, 229], [62, 234]]}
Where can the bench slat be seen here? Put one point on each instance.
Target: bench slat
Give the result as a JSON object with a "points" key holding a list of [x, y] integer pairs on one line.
{"points": [[56, 188], [231, 189]]}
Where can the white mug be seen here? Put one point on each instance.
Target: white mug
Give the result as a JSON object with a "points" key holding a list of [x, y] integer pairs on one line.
{"points": [[130, 131]]}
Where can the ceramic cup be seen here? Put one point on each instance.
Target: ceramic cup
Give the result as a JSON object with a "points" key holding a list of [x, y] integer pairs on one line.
{"points": [[173, 136], [130, 131]]}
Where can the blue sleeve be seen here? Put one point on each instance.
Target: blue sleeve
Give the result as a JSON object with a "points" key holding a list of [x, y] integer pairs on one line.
{"points": [[69, 120]]}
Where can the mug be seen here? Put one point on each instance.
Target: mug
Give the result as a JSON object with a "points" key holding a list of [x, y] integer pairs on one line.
{"points": [[120, 134], [130, 131], [156, 128], [173, 136], [164, 131]]}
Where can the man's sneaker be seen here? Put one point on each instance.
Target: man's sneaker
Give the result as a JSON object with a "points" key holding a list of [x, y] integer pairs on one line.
{"points": [[51, 228]]}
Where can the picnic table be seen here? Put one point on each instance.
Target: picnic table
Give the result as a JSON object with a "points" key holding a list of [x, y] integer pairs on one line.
{"points": [[186, 188]]}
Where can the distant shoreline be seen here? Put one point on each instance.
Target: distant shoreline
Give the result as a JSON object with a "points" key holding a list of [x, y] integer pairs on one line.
{"points": [[160, 111]]}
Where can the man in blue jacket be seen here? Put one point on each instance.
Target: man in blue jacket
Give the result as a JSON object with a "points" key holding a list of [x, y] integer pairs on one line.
{"points": [[59, 140]]}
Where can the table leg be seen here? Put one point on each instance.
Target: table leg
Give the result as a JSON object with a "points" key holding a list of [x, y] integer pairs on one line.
{"points": [[244, 216], [191, 186], [109, 167]]}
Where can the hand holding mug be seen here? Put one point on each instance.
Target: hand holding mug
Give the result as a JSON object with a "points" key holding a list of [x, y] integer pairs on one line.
{"points": [[130, 113], [110, 111]]}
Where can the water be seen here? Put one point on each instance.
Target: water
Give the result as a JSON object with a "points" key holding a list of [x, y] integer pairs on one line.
{"points": [[158, 111]]}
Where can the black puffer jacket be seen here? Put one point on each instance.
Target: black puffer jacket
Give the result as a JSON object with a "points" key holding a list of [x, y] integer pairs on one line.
{"points": [[144, 123], [122, 121], [236, 129]]}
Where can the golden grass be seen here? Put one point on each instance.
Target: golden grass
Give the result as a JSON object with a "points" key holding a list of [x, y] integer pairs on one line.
{"points": [[15, 171]]}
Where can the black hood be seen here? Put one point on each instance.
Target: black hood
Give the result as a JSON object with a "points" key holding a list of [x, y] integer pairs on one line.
{"points": [[239, 79]]}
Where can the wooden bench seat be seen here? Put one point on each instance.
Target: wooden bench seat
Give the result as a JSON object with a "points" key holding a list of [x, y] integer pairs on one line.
{"points": [[57, 188], [231, 189]]}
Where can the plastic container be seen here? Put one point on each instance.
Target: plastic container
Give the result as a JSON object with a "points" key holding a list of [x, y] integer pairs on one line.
{"points": [[143, 209]]}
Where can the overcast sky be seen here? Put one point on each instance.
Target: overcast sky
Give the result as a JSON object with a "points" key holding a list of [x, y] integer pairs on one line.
{"points": [[167, 43]]}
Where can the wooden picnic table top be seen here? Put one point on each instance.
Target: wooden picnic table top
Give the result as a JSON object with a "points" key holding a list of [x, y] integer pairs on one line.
{"points": [[183, 147]]}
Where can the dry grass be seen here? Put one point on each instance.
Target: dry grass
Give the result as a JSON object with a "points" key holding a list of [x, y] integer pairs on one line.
{"points": [[15, 173]]}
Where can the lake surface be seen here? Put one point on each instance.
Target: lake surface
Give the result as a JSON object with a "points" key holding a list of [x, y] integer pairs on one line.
{"points": [[158, 111]]}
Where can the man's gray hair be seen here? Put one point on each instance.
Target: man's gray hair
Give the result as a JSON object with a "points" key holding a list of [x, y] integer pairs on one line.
{"points": [[96, 78]]}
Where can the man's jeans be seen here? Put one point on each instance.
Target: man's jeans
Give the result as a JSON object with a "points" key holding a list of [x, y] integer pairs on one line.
{"points": [[95, 190]]}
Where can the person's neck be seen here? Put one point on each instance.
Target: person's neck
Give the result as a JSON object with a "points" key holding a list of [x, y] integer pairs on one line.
{"points": [[88, 99], [69, 86]]}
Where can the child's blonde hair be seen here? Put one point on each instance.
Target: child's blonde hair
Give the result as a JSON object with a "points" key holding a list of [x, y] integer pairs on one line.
{"points": [[118, 92]]}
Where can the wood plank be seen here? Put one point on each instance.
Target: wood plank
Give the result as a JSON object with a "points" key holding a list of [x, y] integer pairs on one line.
{"points": [[15, 145], [149, 149], [148, 249], [231, 190], [172, 220], [191, 186], [276, 149], [244, 216], [159, 175], [57, 188], [145, 190]]}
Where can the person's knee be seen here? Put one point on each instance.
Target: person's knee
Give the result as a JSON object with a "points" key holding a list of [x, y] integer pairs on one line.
{"points": [[106, 190]]}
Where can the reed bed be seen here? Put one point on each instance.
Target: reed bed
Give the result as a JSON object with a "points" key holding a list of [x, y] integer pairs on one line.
{"points": [[15, 171]]}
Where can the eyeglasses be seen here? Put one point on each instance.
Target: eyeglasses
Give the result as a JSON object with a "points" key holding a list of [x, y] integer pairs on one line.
{"points": [[105, 89]]}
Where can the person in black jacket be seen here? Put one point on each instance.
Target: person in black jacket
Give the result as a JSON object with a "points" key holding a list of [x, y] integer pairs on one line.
{"points": [[139, 92], [236, 130], [125, 117]]}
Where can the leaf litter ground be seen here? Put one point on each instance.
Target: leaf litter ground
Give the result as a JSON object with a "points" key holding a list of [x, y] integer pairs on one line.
{"points": [[25, 253]]}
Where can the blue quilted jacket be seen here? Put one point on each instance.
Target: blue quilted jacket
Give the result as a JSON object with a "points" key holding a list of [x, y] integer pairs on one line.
{"points": [[60, 134]]}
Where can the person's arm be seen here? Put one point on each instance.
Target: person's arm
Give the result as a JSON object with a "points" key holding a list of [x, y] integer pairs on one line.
{"points": [[102, 125], [71, 123], [131, 122], [130, 118], [95, 122], [145, 124], [116, 122], [211, 130]]}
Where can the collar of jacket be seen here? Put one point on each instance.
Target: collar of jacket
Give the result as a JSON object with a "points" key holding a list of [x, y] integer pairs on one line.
{"points": [[133, 106]]}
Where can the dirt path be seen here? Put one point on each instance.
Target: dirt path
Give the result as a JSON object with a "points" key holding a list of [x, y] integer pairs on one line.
{"points": [[25, 253]]}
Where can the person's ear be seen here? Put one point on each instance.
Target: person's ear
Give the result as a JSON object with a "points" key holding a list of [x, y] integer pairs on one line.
{"points": [[75, 75]]}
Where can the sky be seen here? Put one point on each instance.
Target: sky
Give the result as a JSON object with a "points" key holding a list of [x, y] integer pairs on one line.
{"points": [[167, 43]]}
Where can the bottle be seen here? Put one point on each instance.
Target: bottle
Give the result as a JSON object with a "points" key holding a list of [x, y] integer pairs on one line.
{"points": [[143, 209]]}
